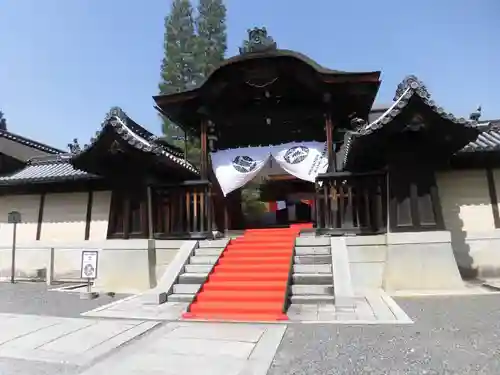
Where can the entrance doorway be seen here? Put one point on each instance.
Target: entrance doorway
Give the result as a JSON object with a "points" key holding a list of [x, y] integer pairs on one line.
{"points": [[274, 202]]}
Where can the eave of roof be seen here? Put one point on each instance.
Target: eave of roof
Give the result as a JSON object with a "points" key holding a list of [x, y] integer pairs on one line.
{"points": [[29, 142], [373, 76]]}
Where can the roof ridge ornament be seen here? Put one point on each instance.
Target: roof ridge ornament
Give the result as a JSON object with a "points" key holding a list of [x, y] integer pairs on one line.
{"points": [[415, 84], [476, 115], [258, 41]]}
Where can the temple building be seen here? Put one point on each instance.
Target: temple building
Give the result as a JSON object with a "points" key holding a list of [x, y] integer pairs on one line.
{"points": [[412, 188]]}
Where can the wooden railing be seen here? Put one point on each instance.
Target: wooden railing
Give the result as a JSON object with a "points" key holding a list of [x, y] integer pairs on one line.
{"points": [[351, 203], [184, 210]]}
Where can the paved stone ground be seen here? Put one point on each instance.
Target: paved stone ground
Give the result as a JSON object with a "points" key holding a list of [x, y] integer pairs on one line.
{"points": [[34, 344], [10, 366], [374, 307], [181, 348], [451, 335], [37, 299], [135, 307]]}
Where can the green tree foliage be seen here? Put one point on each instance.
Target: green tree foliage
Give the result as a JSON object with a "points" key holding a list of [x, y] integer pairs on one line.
{"points": [[178, 70], [3, 121], [212, 37], [192, 50]]}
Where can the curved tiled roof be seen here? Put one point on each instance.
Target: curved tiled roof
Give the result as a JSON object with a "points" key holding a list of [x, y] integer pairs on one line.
{"points": [[138, 137], [488, 140], [409, 88], [46, 169]]}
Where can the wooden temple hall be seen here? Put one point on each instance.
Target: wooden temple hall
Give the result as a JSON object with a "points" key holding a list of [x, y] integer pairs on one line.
{"points": [[371, 170]]}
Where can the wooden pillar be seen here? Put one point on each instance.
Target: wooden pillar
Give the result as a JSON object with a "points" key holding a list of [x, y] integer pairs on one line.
{"points": [[332, 167], [493, 196], [204, 151], [149, 202]]}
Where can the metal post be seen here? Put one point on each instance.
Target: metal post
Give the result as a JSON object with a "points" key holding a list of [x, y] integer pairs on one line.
{"points": [[13, 264], [50, 269]]}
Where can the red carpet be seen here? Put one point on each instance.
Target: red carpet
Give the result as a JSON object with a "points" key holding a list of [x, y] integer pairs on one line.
{"points": [[249, 282]]}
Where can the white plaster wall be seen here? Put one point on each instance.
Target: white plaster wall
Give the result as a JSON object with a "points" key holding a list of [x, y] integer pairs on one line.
{"points": [[28, 206], [64, 217], [468, 215], [465, 200], [31, 262], [101, 203]]}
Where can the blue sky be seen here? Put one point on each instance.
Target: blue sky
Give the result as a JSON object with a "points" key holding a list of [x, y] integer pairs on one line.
{"points": [[64, 63]]}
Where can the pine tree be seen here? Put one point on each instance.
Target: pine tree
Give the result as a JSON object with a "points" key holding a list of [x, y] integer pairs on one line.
{"points": [[178, 69], [212, 37], [3, 121]]}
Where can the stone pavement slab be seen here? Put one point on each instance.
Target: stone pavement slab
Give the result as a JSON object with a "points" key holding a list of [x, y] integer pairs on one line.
{"points": [[74, 341], [198, 348], [370, 307], [137, 307]]}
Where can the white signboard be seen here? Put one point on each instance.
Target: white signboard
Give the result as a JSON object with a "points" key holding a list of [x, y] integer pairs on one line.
{"points": [[89, 265]]}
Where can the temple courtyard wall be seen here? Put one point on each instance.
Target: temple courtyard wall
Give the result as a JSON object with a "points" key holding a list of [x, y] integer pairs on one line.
{"points": [[468, 212], [51, 240]]}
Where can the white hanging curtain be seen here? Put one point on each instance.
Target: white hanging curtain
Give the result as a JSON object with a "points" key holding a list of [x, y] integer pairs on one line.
{"points": [[237, 166], [304, 160]]}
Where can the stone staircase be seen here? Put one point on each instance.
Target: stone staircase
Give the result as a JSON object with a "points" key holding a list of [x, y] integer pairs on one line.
{"points": [[312, 279], [196, 271]]}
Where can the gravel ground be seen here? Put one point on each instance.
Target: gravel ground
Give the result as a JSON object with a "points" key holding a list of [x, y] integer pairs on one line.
{"points": [[451, 335], [37, 299]]}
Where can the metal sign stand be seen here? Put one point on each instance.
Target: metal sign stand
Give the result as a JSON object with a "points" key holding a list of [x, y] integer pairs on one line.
{"points": [[89, 272], [13, 217]]}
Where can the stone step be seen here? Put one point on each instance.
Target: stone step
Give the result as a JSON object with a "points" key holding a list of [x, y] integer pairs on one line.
{"points": [[312, 259], [192, 278], [318, 290], [203, 259], [198, 268], [308, 234], [305, 299], [186, 288], [313, 250], [312, 268], [312, 279], [312, 241], [180, 297], [208, 251], [214, 243]]}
